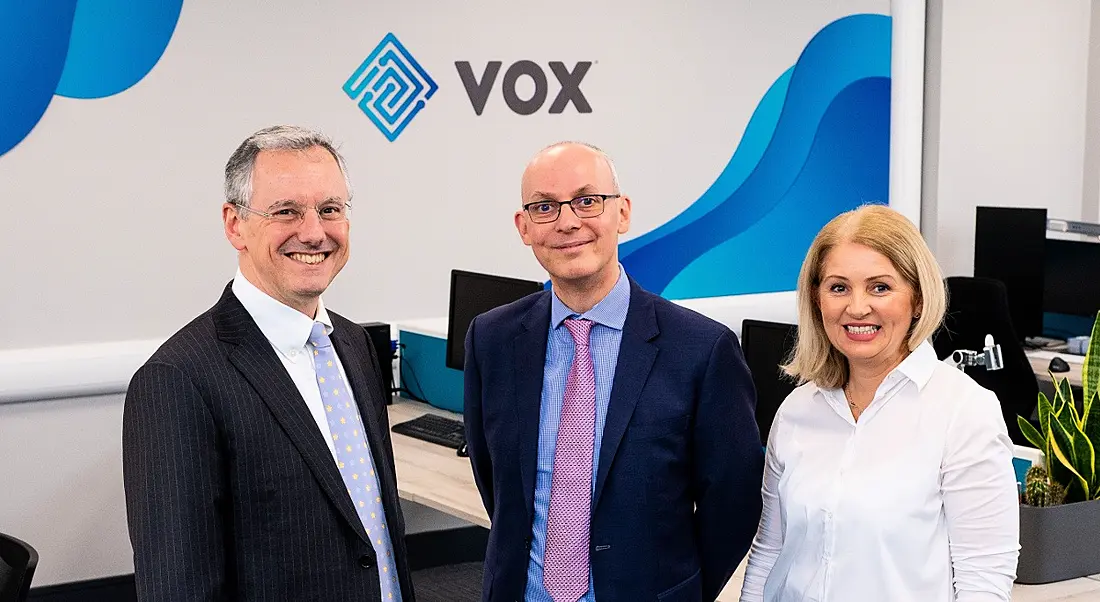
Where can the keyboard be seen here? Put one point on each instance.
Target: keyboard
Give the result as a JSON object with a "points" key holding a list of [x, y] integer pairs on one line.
{"points": [[434, 429]]}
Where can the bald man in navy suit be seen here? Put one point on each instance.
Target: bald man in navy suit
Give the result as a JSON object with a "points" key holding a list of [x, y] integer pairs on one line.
{"points": [[611, 432]]}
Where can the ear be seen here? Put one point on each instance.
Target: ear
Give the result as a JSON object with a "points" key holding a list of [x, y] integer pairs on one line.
{"points": [[624, 214], [233, 224], [523, 227]]}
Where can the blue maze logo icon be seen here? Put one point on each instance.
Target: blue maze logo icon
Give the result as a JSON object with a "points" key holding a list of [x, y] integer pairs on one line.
{"points": [[393, 86]]}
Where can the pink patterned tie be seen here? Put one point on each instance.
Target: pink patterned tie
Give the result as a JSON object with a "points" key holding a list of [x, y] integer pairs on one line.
{"points": [[565, 564]]}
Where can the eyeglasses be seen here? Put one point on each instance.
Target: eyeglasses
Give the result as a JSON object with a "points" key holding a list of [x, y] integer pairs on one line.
{"points": [[294, 213], [589, 205]]}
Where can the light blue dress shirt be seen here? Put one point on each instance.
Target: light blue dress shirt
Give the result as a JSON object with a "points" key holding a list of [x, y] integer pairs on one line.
{"points": [[609, 316]]}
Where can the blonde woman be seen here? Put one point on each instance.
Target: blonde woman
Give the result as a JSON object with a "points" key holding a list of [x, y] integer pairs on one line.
{"points": [[888, 473]]}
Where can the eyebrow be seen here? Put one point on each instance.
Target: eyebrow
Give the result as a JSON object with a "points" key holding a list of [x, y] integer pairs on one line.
{"points": [[539, 195], [879, 277], [331, 199]]}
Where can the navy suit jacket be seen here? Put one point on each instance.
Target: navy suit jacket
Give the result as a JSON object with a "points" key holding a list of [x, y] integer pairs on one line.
{"points": [[677, 492]]}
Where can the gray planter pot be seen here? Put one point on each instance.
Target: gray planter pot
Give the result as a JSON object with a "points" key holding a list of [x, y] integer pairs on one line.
{"points": [[1059, 542]]}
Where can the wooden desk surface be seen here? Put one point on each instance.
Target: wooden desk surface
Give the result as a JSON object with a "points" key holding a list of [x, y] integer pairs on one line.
{"points": [[431, 474], [436, 477], [1039, 365]]}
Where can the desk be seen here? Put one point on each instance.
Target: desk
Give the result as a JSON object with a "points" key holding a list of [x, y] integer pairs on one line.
{"points": [[1040, 362], [434, 476]]}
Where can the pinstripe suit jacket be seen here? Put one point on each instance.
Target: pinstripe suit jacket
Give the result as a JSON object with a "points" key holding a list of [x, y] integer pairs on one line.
{"points": [[231, 490]]}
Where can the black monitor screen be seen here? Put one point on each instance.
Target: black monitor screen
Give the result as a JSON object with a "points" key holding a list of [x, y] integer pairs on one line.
{"points": [[1071, 284], [1009, 244], [767, 345], [473, 294]]}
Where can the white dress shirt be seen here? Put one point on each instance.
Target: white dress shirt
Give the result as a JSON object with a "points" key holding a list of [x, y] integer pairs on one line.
{"points": [[916, 501], [288, 329]]}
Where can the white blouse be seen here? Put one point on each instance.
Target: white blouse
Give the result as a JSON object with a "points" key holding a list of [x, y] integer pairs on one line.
{"points": [[916, 501]]}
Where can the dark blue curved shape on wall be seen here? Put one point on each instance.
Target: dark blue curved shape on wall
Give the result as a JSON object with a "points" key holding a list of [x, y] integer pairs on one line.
{"points": [[758, 133], [848, 165], [835, 113], [34, 39], [74, 48]]}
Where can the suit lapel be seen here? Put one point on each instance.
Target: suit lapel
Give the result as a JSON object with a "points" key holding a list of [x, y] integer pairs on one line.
{"points": [[636, 356], [356, 366], [529, 349], [253, 356]]}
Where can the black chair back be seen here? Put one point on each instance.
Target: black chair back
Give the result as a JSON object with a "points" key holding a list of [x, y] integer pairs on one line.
{"points": [[977, 307], [766, 345], [17, 563]]}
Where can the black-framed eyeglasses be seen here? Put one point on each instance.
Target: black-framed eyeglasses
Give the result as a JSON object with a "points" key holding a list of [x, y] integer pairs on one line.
{"points": [[294, 213], [586, 206]]}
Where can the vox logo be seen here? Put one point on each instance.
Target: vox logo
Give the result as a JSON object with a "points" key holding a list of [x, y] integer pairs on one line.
{"points": [[391, 87], [479, 87]]}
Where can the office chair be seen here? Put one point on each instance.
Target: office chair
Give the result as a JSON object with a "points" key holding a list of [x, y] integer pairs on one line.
{"points": [[17, 563], [977, 307], [765, 346]]}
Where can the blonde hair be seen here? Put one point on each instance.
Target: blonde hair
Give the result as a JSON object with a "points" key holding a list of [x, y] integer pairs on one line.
{"points": [[888, 232]]}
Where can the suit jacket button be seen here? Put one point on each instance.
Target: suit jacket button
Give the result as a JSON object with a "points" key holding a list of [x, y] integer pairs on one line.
{"points": [[366, 561]]}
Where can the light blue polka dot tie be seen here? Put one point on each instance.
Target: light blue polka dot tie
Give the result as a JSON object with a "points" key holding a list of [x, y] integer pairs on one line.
{"points": [[354, 458]]}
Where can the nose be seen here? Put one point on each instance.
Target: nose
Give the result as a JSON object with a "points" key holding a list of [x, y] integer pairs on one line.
{"points": [[858, 305], [312, 229], [567, 219]]}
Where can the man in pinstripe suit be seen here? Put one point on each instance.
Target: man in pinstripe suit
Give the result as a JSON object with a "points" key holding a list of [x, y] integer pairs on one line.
{"points": [[256, 448]]}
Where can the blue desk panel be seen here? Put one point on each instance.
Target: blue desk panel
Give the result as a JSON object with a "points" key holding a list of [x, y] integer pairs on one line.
{"points": [[424, 371]]}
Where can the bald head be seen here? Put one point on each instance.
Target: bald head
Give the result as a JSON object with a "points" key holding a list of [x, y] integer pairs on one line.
{"points": [[579, 247], [577, 162]]}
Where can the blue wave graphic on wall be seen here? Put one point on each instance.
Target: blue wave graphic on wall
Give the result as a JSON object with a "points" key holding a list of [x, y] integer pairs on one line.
{"points": [[818, 144], [77, 49]]}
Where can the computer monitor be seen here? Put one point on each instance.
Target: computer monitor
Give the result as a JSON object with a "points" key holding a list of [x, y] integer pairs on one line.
{"points": [[1071, 291], [1010, 246], [473, 294], [766, 345]]}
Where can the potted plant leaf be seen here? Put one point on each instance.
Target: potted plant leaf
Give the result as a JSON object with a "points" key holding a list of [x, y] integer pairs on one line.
{"points": [[1060, 513]]}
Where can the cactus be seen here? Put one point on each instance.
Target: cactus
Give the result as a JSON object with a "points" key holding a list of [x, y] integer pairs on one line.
{"points": [[1040, 490]]}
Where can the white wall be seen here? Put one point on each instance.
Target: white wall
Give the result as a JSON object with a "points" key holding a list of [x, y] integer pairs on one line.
{"points": [[1005, 115], [1090, 197], [62, 483]]}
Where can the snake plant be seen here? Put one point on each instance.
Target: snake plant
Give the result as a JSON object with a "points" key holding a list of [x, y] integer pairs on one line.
{"points": [[1070, 439]]}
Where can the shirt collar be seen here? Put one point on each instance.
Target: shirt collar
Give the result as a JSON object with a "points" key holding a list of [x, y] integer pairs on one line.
{"points": [[285, 327], [610, 311], [920, 365], [918, 368]]}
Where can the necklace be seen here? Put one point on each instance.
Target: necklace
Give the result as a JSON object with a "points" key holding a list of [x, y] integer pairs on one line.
{"points": [[848, 398]]}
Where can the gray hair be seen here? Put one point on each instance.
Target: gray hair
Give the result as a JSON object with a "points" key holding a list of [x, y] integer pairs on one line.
{"points": [[606, 157], [239, 168]]}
